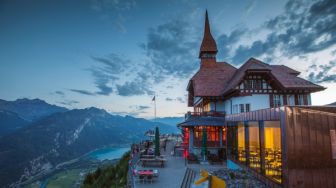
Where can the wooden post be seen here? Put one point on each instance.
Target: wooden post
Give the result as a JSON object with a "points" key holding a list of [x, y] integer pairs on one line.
{"points": [[284, 99], [247, 145], [271, 100], [262, 146]]}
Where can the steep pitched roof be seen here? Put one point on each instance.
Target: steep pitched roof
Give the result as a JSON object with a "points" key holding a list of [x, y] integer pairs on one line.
{"points": [[211, 80], [287, 69], [208, 42], [289, 80], [285, 76]]}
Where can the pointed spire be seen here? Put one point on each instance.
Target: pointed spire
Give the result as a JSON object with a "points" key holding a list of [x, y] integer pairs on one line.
{"points": [[208, 43]]}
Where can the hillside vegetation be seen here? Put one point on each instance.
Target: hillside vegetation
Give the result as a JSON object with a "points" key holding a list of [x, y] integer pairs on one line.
{"points": [[110, 176]]}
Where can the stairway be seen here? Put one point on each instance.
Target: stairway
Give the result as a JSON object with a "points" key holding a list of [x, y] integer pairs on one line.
{"points": [[188, 178]]}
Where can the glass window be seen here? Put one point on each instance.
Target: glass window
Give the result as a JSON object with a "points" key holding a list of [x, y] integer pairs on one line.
{"points": [[300, 100], [273, 150], [264, 84], [241, 142], [247, 108], [254, 145], [277, 100], [235, 109], [258, 84], [241, 108], [290, 100], [212, 136]]}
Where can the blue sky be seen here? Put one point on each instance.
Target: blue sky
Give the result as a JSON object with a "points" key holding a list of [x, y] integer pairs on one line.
{"points": [[115, 54]]}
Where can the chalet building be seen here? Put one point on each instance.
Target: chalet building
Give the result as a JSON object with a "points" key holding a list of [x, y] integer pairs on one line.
{"points": [[260, 116]]}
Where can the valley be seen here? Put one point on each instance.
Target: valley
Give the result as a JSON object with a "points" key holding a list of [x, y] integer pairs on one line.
{"points": [[72, 173]]}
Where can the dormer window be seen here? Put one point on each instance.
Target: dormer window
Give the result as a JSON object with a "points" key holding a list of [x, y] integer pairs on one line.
{"points": [[255, 84]]}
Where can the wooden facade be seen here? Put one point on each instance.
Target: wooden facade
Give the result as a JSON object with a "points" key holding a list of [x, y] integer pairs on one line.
{"points": [[308, 142]]}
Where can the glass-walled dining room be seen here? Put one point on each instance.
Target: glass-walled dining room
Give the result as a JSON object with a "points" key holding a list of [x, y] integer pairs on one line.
{"points": [[273, 159], [257, 145], [241, 142], [254, 146]]}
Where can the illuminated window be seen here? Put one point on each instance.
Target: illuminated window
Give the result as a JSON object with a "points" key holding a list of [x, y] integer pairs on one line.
{"points": [[213, 139], [241, 142], [273, 150], [254, 145]]}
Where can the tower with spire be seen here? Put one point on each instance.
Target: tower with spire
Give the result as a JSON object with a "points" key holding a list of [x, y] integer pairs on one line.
{"points": [[208, 49]]}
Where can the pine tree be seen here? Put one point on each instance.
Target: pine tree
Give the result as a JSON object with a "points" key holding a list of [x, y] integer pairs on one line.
{"points": [[157, 142]]}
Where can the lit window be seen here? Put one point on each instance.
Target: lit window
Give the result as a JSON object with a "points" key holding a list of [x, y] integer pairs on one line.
{"points": [[273, 159]]}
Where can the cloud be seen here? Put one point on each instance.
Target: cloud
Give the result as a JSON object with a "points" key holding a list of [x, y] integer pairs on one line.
{"points": [[249, 8], [105, 72], [170, 87], [84, 92], [135, 87], [304, 28], [169, 99], [68, 102], [140, 107], [226, 42], [171, 49], [179, 99], [124, 113], [323, 73], [101, 82], [135, 110], [59, 93], [112, 63]]}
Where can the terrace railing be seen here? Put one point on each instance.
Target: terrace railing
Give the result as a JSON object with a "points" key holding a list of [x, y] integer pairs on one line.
{"points": [[205, 114]]}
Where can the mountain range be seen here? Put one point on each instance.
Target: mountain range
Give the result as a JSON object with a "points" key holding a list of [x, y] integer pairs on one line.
{"points": [[41, 141], [30, 110], [173, 121]]}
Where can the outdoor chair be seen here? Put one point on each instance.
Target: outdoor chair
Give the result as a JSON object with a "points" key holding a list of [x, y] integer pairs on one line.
{"points": [[192, 158], [141, 178], [214, 159], [149, 179]]}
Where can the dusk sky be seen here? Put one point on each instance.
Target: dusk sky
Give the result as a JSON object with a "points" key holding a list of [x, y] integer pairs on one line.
{"points": [[116, 54]]}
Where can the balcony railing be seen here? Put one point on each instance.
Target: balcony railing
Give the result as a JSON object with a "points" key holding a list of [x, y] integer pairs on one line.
{"points": [[205, 114]]}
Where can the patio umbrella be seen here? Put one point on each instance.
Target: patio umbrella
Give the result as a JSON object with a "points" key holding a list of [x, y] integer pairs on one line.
{"points": [[204, 143], [157, 142]]}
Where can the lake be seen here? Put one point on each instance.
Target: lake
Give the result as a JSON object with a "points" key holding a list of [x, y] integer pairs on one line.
{"points": [[108, 153]]}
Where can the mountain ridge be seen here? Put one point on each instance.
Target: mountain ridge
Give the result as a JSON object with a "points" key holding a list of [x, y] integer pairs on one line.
{"points": [[62, 136], [30, 109]]}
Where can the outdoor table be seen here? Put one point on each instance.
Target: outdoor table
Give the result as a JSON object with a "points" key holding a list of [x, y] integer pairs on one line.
{"points": [[145, 161], [145, 172], [147, 156]]}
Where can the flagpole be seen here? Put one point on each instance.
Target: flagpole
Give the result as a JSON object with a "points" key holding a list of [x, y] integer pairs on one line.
{"points": [[154, 107]]}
